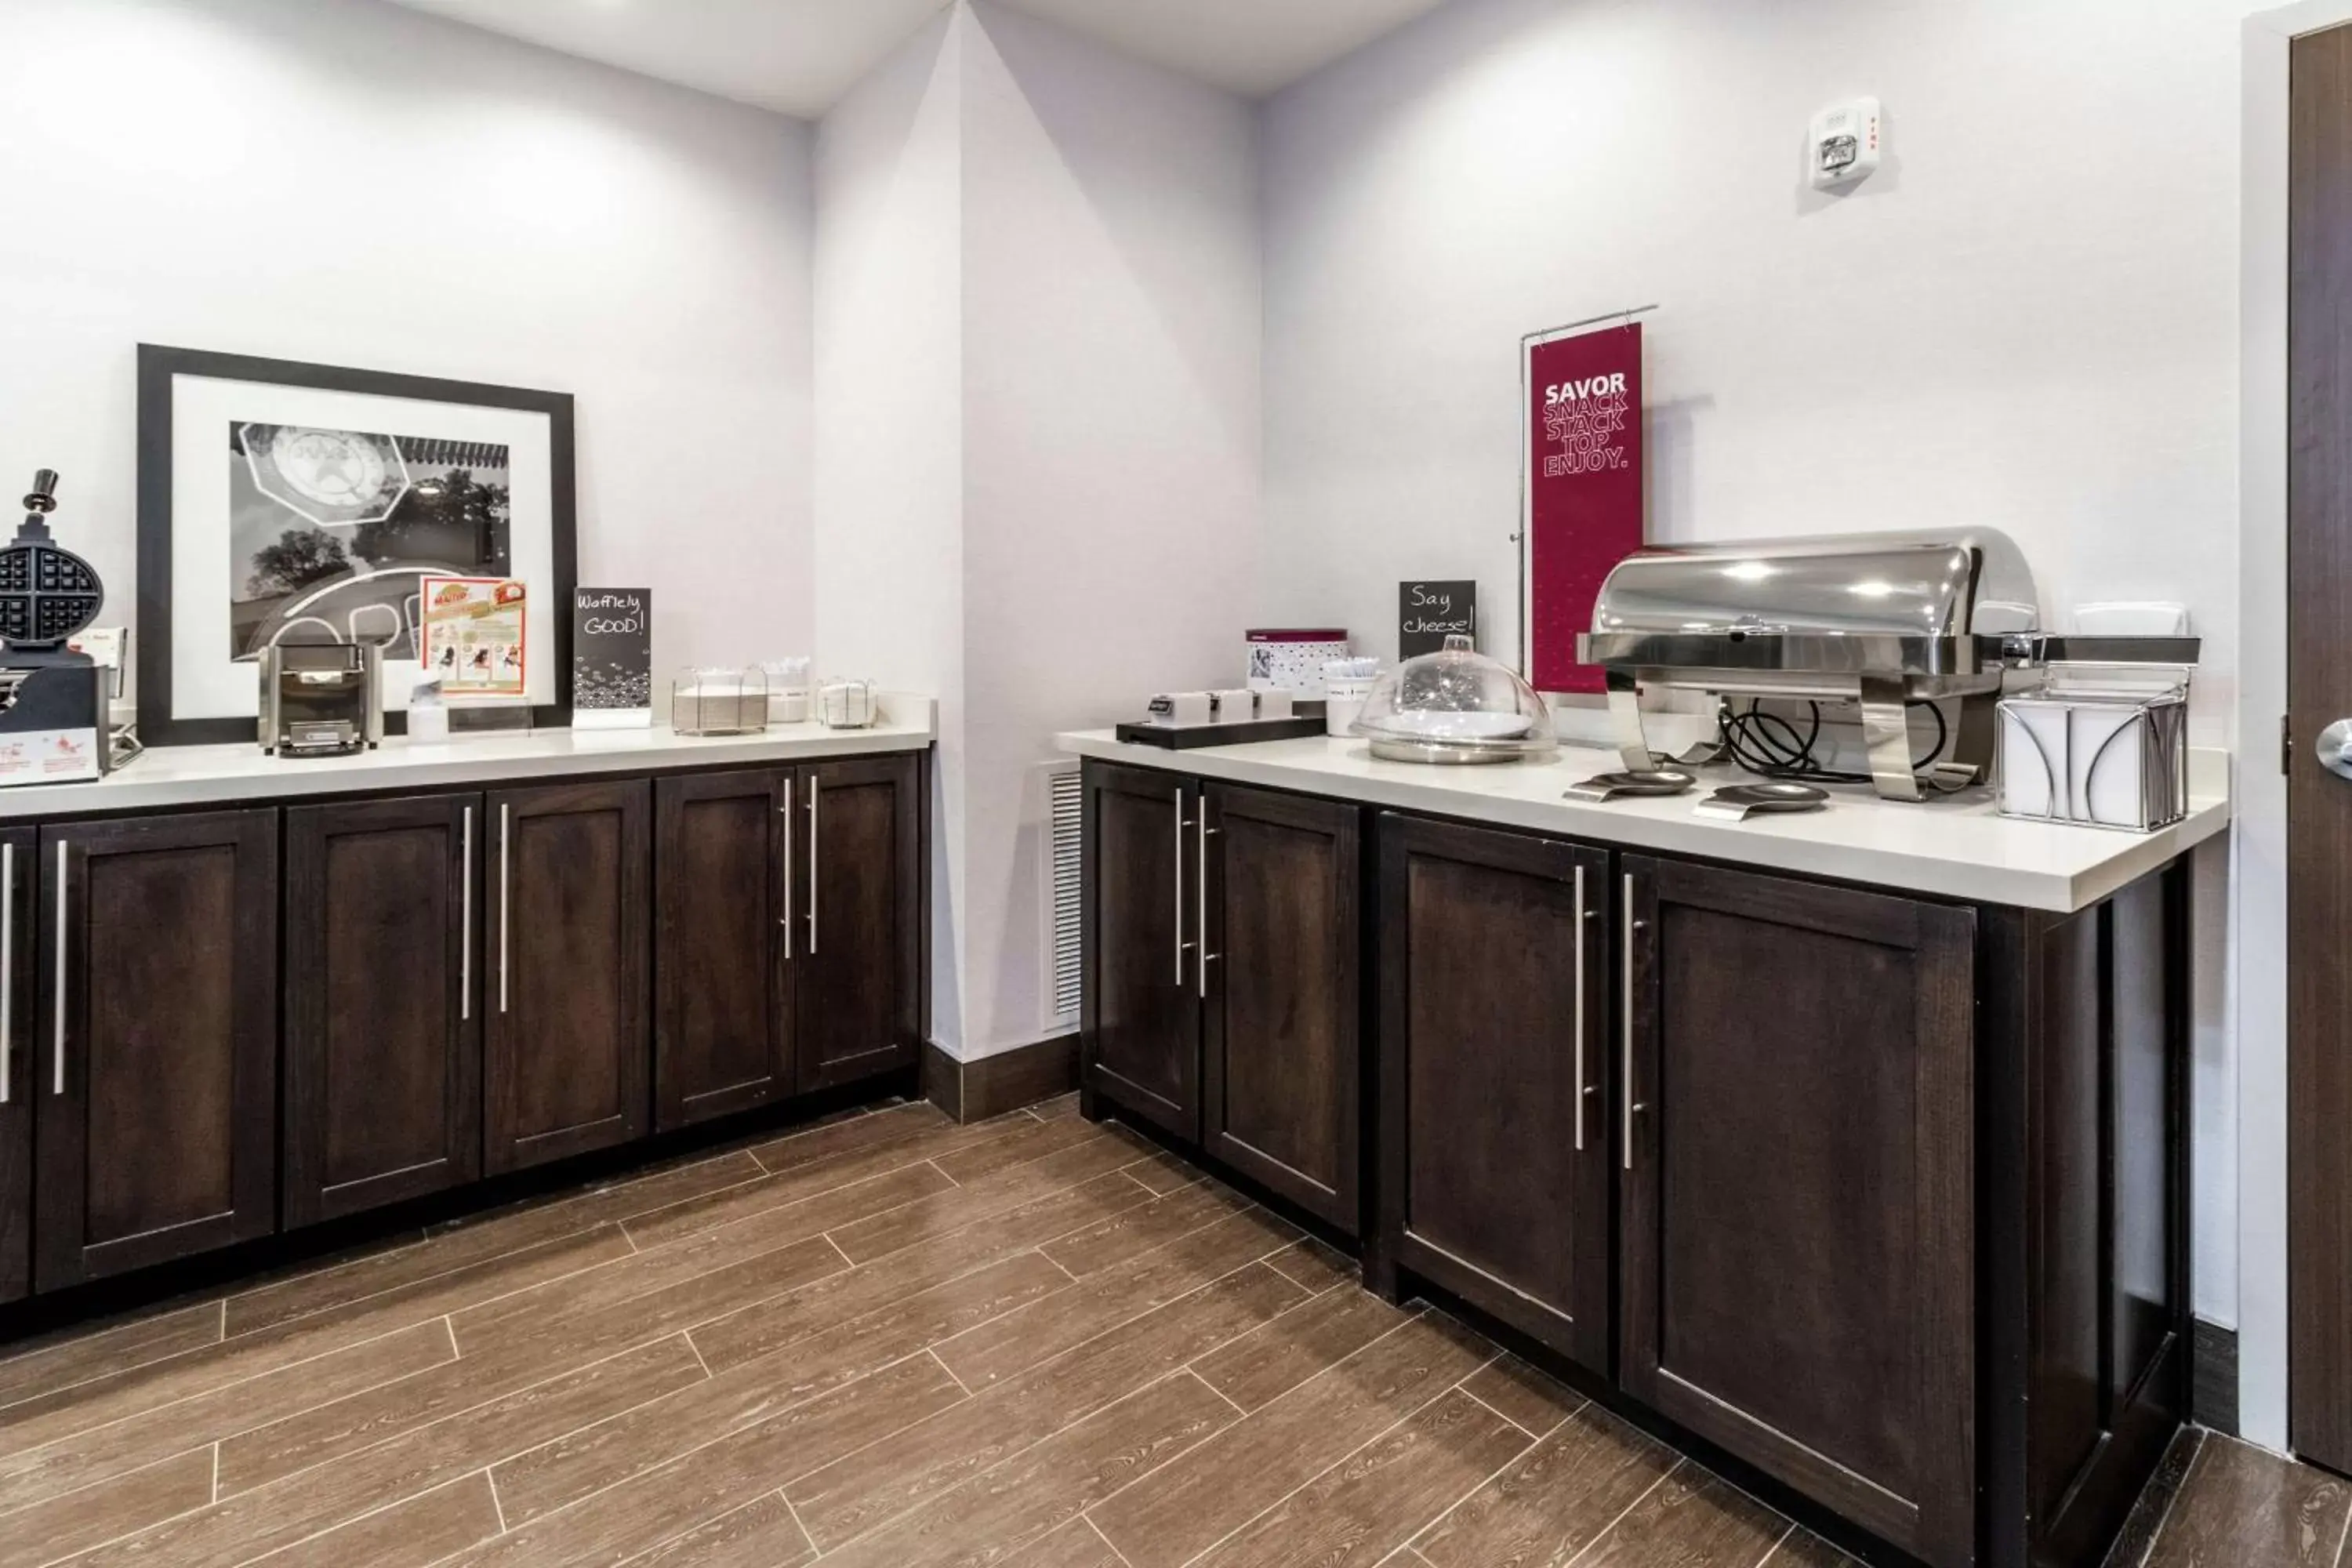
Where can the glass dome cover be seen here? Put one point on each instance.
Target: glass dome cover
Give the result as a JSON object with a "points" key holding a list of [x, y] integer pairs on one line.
{"points": [[1455, 705]]}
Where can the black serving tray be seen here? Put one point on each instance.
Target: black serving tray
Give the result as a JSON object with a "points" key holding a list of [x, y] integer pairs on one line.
{"points": [[1186, 737]]}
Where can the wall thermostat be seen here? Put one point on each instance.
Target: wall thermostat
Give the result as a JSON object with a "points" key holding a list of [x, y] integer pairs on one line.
{"points": [[1845, 142]]}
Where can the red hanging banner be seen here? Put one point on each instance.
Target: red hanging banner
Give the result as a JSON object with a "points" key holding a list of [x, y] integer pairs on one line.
{"points": [[1584, 489]]}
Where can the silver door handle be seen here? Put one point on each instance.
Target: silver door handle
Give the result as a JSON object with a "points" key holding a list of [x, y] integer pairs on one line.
{"points": [[60, 1020], [466, 922], [7, 968], [2331, 744], [786, 811], [1631, 926], [1201, 901], [506, 896], [1181, 943], [1577, 935], [816, 862]]}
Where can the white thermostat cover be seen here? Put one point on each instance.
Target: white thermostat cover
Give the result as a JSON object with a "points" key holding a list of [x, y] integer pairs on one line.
{"points": [[1844, 142]]}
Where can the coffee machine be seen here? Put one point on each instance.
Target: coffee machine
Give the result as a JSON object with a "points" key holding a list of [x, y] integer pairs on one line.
{"points": [[53, 718]]}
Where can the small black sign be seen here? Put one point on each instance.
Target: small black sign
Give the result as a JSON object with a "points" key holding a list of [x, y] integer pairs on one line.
{"points": [[1427, 613], [611, 648]]}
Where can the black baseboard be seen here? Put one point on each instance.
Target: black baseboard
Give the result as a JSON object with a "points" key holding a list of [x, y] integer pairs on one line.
{"points": [[991, 1086], [2213, 1377]]}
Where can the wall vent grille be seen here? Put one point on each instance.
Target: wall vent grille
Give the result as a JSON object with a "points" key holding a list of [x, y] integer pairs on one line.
{"points": [[1061, 902]]}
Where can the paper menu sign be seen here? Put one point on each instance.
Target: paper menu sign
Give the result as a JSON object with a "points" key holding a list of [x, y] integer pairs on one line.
{"points": [[473, 642]]}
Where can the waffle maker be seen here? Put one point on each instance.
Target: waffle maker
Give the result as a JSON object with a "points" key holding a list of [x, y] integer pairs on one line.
{"points": [[53, 700]]}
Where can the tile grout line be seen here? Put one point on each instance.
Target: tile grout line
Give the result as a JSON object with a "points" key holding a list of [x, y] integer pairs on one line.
{"points": [[687, 1335], [953, 1184], [1605, 1530], [1440, 1394], [947, 1369], [2343, 1538], [1777, 1541], [1412, 1543], [83, 1433], [1472, 1398], [215, 1497], [1086, 1517], [492, 1482], [797, 1522]]}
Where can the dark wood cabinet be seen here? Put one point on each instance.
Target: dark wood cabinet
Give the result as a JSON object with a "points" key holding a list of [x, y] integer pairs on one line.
{"points": [[856, 975], [567, 1050], [1797, 1192], [156, 1085], [1280, 976], [383, 1031], [1495, 1137], [1140, 1009], [19, 868], [724, 943]]}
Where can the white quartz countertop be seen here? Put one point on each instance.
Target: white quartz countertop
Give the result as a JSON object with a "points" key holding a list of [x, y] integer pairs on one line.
{"points": [[171, 776], [1959, 846]]}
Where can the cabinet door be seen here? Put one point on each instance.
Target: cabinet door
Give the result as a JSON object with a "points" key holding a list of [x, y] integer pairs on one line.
{"points": [[855, 986], [568, 1050], [384, 1044], [156, 1101], [18, 872], [1279, 977], [723, 947], [1493, 1136], [1140, 1014], [1798, 1209]]}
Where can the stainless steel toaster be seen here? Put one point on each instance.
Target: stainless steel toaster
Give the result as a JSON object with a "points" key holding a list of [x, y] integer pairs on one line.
{"points": [[321, 700]]}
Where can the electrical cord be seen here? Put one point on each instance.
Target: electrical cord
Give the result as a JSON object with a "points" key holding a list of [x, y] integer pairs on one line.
{"points": [[1771, 746]]}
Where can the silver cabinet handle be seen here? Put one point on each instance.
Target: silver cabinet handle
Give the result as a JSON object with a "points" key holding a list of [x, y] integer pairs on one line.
{"points": [[7, 969], [1180, 887], [786, 811], [1579, 939], [506, 898], [1201, 899], [61, 1021], [466, 922], [816, 862], [1626, 1023]]}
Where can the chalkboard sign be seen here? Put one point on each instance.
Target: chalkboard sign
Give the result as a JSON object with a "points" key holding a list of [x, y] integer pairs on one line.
{"points": [[1427, 613], [612, 659]]}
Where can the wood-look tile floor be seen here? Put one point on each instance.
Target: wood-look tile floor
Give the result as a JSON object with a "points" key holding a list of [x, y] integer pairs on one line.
{"points": [[886, 1342]]}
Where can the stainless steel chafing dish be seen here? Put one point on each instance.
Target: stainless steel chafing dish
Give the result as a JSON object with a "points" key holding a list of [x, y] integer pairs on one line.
{"points": [[1874, 619]]}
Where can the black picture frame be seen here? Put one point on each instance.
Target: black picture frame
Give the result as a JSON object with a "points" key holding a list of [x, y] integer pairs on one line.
{"points": [[159, 366]]}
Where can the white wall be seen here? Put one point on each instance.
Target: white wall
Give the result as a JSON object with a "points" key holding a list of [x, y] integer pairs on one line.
{"points": [[1975, 336], [1038, 432], [1111, 428], [352, 183], [890, 427]]}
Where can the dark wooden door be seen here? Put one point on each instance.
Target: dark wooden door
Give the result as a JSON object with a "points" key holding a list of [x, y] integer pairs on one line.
{"points": [[568, 1050], [857, 986], [1799, 1244], [156, 1085], [1494, 1138], [1140, 1015], [1279, 978], [383, 1036], [723, 942], [2319, 804], [19, 869]]}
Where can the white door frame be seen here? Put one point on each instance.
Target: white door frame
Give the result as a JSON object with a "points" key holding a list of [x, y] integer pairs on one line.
{"points": [[2258, 926]]}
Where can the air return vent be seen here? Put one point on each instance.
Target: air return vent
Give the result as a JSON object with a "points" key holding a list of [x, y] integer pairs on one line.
{"points": [[1061, 900]]}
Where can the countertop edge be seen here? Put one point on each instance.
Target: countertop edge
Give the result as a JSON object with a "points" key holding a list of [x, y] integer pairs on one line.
{"points": [[1921, 872], [257, 780]]}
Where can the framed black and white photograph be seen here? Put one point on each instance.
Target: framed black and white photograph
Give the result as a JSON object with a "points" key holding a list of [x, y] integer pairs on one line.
{"points": [[284, 502]]}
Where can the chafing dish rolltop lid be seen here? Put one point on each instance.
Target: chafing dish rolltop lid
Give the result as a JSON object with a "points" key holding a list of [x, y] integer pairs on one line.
{"points": [[1875, 619]]}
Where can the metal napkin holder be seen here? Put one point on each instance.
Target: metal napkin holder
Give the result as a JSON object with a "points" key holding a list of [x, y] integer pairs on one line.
{"points": [[2135, 725]]}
